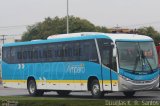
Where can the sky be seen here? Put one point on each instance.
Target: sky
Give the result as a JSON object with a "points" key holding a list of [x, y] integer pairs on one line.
{"points": [[109, 13]]}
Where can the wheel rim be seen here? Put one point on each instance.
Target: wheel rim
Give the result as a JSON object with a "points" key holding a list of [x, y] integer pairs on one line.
{"points": [[32, 87], [96, 89]]}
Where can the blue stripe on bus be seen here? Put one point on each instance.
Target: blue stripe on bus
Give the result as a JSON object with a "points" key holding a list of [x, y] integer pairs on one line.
{"points": [[56, 71], [57, 40], [139, 77]]}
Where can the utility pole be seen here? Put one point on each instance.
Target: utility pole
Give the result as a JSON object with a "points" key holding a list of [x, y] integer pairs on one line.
{"points": [[67, 16], [3, 38]]}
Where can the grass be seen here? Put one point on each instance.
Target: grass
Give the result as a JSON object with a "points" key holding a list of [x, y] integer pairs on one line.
{"points": [[59, 103], [51, 101], [47, 101]]}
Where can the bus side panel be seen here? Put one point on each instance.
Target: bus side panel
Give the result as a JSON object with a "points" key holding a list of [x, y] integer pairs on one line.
{"points": [[66, 75], [13, 75], [69, 75], [106, 79], [110, 79], [52, 75]]}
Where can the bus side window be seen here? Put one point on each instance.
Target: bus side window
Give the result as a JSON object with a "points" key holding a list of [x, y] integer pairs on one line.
{"points": [[18, 57], [75, 51], [42, 53], [58, 52], [51, 53], [71, 51], [35, 53], [105, 57], [6, 54], [13, 55], [104, 48], [105, 52], [66, 51], [88, 51]]}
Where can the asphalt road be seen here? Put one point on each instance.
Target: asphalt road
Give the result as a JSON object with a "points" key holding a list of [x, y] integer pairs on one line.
{"points": [[145, 95]]}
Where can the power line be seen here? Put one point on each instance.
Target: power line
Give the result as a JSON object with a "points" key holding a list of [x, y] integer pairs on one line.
{"points": [[14, 26], [3, 38]]}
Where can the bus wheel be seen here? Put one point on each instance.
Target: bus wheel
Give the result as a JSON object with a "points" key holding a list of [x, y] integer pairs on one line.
{"points": [[95, 89], [129, 94], [32, 89], [63, 93]]}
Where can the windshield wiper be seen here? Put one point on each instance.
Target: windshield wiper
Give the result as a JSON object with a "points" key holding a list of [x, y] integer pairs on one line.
{"points": [[136, 63], [144, 57], [138, 58]]}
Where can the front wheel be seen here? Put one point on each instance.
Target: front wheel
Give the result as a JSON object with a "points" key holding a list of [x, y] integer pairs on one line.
{"points": [[129, 94], [95, 89], [32, 89]]}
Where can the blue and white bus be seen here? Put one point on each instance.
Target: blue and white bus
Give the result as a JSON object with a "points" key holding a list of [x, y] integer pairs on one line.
{"points": [[95, 62]]}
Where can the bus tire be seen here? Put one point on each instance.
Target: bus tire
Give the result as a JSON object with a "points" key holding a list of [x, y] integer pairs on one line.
{"points": [[63, 93], [129, 93], [95, 89], [32, 89]]}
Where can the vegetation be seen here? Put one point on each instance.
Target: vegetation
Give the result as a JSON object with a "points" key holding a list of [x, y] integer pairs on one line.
{"points": [[52, 101], [151, 32], [57, 25]]}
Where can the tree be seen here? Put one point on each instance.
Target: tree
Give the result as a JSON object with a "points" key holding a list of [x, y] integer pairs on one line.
{"points": [[57, 25], [151, 32]]}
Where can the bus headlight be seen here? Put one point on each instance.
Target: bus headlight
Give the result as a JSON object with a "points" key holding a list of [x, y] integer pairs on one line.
{"points": [[125, 78]]}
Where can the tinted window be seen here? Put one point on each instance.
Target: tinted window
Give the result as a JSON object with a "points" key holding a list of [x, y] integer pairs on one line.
{"points": [[88, 51], [106, 48], [6, 54], [68, 51], [58, 52], [75, 51], [13, 55], [26, 54], [18, 55], [53, 52]]}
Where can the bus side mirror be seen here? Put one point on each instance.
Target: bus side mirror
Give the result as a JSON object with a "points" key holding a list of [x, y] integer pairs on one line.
{"points": [[114, 52]]}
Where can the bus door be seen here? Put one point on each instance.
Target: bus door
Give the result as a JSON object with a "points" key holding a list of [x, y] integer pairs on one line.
{"points": [[106, 54]]}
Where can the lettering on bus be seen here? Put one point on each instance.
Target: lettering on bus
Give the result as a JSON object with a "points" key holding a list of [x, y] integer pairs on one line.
{"points": [[76, 69]]}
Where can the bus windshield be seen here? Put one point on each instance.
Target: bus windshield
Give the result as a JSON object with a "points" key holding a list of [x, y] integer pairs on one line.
{"points": [[137, 56]]}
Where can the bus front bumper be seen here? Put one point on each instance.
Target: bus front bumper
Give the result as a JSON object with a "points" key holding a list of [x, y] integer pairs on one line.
{"points": [[133, 85]]}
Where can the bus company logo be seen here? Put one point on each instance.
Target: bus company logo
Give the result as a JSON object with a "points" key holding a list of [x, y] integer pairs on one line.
{"points": [[76, 69]]}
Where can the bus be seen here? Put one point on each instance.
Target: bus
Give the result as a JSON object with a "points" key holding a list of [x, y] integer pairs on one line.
{"points": [[90, 61]]}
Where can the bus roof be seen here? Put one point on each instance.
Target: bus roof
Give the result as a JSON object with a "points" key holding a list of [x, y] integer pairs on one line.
{"points": [[84, 35], [112, 36]]}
